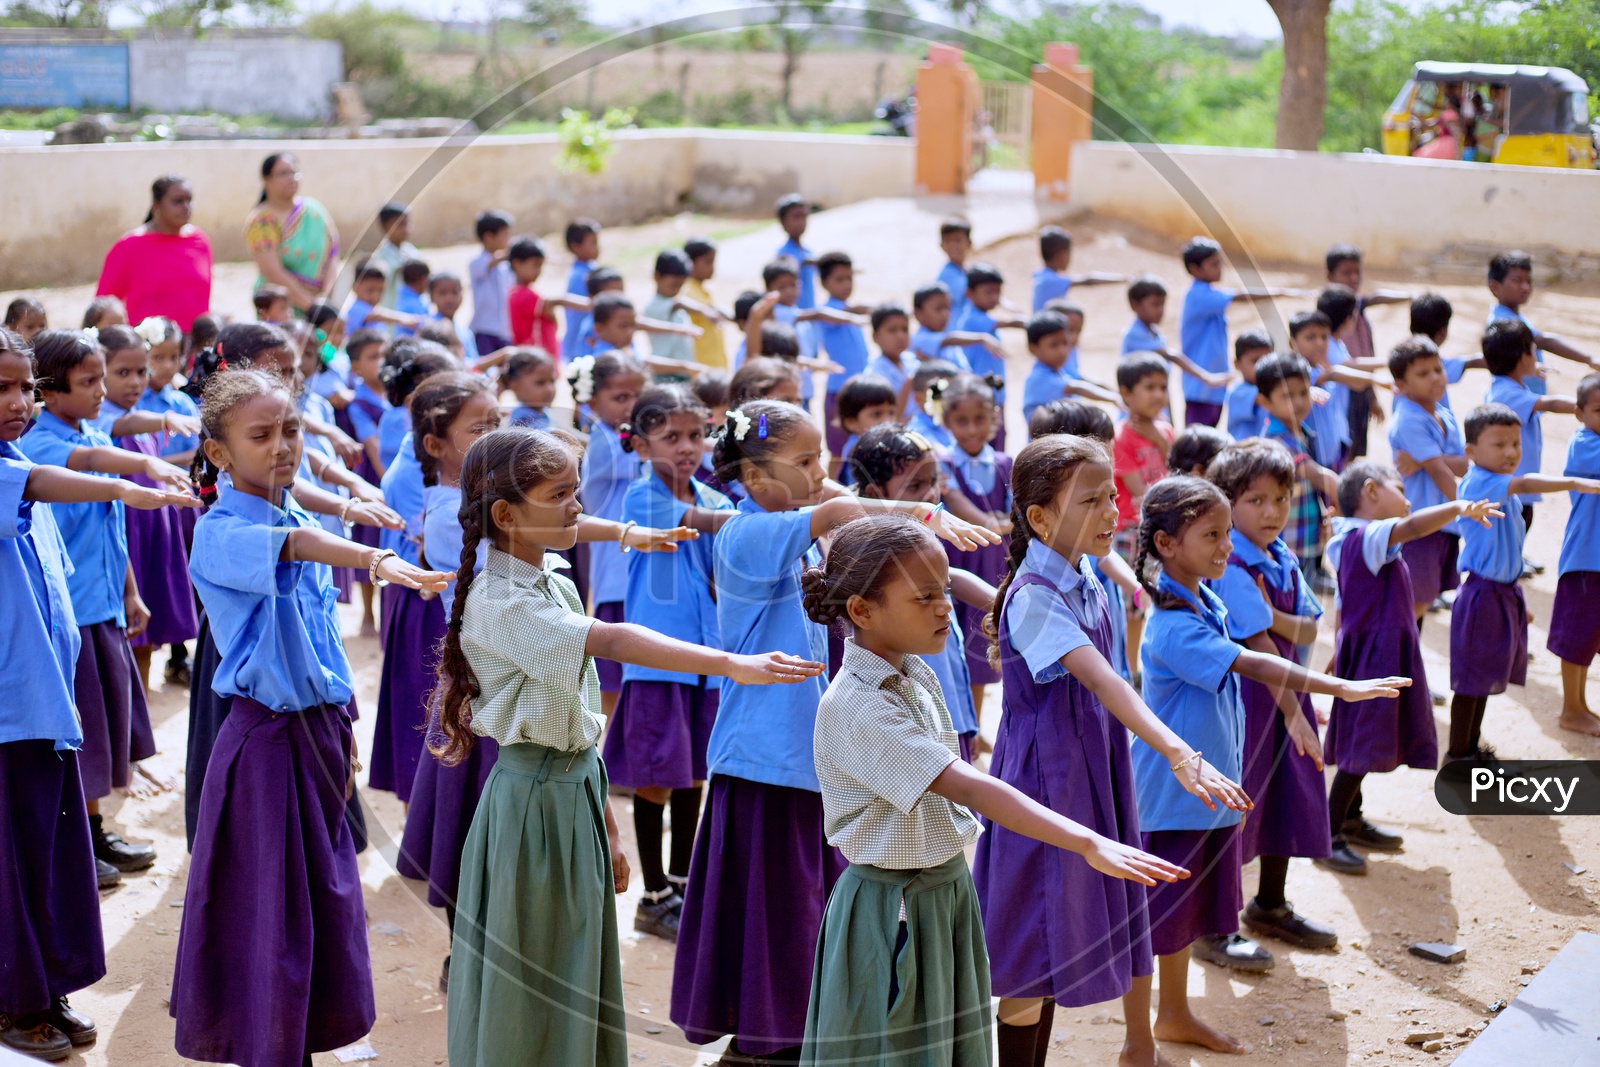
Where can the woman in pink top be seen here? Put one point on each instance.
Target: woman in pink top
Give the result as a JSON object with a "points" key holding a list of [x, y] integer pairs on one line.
{"points": [[163, 267]]}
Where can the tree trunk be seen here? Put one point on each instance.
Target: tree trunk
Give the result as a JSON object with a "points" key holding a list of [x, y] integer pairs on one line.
{"points": [[794, 44], [1303, 95]]}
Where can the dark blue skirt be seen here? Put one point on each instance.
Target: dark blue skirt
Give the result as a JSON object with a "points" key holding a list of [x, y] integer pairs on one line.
{"points": [[408, 678], [443, 802], [116, 721]]}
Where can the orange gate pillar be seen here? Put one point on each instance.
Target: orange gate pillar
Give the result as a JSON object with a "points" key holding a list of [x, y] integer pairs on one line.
{"points": [[1063, 115], [947, 99]]}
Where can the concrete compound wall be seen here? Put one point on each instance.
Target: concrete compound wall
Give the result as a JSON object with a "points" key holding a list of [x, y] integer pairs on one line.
{"points": [[1290, 206], [66, 205]]}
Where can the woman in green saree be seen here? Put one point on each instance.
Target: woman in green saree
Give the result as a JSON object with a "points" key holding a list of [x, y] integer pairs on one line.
{"points": [[292, 238]]}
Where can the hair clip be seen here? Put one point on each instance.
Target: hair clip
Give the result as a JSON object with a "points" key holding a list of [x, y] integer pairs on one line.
{"points": [[917, 439], [739, 423], [761, 428], [91, 334], [222, 364]]}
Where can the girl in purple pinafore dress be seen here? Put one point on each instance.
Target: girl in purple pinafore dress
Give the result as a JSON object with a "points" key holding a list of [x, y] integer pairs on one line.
{"points": [[1058, 930], [982, 473]]}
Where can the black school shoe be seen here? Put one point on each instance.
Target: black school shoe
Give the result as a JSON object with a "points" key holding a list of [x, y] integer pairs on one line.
{"points": [[659, 914], [123, 855], [1284, 924], [32, 1036], [108, 876], [1234, 952], [1343, 860], [444, 977], [79, 1028], [1363, 833]]}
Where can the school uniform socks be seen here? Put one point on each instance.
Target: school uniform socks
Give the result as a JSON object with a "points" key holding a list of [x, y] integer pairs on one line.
{"points": [[1466, 724], [685, 821], [1027, 1046], [1274, 878], [647, 822]]}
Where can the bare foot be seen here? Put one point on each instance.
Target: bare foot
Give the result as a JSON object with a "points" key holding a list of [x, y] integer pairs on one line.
{"points": [[1580, 721], [1149, 1057], [368, 628], [138, 790], [1191, 1031]]}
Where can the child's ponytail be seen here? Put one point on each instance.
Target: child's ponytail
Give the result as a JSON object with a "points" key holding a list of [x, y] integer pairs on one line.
{"points": [[1041, 470], [458, 686], [1171, 505], [860, 564], [752, 434]]}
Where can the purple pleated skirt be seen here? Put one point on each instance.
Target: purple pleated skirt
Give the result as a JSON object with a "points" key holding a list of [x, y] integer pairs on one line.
{"points": [[406, 682], [443, 801], [610, 670], [364, 535], [1488, 638], [758, 885], [160, 564], [272, 956], [1432, 563], [1575, 618], [658, 735], [1208, 901], [1291, 796], [1373, 736], [49, 904], [389, 598], [116, 721]]}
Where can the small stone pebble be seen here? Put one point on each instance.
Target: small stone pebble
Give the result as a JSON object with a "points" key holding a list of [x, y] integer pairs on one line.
{"points": [[1266, 1020], [1338, 1016]]}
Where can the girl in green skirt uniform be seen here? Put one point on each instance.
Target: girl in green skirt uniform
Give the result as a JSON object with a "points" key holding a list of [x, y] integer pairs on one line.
{"points": [[902, 974], [536, 975]]}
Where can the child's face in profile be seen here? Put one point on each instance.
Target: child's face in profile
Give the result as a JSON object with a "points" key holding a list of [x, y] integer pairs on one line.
{"points": [[787, 390], [536, 387], [917, 481], [367, 290], [971, 422], [912, 613], [1083, 515], [1311, 343], [1347, 273], [588, 249], [446, 298], [957, 246], [16, 394], [1289, 403], [1052, 349], [1074, 329], [787, 286], [478, 415], [670, 285], [1589, 411], [497, 240], [399, 231], [164, 359], [701, 268], [86, 388], [868, 417], [527, 271], [1209, 269], [1246, 362], [793, 476], [893, 336], [985, 297], [1262, 510], [1424, 381], [1061, 260], [618, 330], [1498, 449], [934, 314], [1148, 398], [546, 517], [1151, 309], [1514, 290], [1383, 498], [840, 282]]}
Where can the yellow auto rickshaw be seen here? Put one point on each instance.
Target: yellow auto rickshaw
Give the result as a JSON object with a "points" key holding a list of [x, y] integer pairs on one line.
{"points": [[1491, 113]]}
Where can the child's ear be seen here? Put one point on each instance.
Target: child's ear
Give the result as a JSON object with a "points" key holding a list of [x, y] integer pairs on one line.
{"points": [[859, 611], [216, 452], [1163, 543], [432, 445], [1038, 521]]}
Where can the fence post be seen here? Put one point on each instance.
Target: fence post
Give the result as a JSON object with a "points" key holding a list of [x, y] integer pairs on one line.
{"points": [[1063, 115], [947, 99]]}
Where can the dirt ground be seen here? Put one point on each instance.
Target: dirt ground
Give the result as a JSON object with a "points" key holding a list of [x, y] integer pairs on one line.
{"points": [[1504, 887]]}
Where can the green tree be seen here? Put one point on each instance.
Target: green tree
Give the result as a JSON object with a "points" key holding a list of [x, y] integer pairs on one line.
{"points": [[370, 36], [59, 13], [555, 16]]}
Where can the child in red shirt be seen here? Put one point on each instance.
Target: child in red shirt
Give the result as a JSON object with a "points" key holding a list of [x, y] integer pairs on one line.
{"points": [[1139, 451], [533, 317]]}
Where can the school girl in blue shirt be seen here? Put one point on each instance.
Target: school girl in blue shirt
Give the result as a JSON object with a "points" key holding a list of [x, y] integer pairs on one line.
{"points": [[762, 868], [273, 908], [49, 904], [1574, 622], [1190, 667]]}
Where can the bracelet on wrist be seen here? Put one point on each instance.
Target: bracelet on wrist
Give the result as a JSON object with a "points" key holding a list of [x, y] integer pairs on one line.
{"points": [[344, 510], [1181, 764], [622, 539], [377, 561], [927, 520]]}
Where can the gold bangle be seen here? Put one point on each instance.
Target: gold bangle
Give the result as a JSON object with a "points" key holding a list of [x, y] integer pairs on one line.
{"points": [[1181, 764], [344, 510], [372, 569], [623, 538]]}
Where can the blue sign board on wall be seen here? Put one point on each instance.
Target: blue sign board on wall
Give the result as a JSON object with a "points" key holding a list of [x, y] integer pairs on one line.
{"points": [[64, 75]]}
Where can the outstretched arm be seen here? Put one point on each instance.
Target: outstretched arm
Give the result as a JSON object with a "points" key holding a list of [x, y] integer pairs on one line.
{"points": [[1301, 732], [312, 544], [1431, 520], [109, 459], [1275, 672], [1557, 347], [1547, 483], [58, 485], [627, 643]]}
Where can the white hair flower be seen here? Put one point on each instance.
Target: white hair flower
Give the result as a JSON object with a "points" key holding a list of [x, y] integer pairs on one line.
{"points": [[581, 375], [92, 335], [936, 390], [152, 331], [741, 424]]}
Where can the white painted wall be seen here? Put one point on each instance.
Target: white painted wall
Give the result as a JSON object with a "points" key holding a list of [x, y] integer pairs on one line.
{"points": [[233, 76], [1291, 206]]}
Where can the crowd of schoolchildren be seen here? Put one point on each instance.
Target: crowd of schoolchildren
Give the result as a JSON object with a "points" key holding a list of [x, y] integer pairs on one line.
{"points": [[573, 606]]}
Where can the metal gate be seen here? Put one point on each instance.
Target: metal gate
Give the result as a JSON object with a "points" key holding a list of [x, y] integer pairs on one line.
{"points": [[1003, 125]]}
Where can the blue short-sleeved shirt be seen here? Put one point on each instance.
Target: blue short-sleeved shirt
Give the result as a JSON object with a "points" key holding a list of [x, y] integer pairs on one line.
{"points": [[530, 418], [765, 733], [1248, 612], [1424, 435], [408, 300], [1046, 624], [1043, 385], [96, 535], [671, 592], [1330, 425], [1189, 683], [1580, 542], [979, 358], [844, 344], [1117, 608], [1049, 285], [1203, 337], [171, 398], [808, 271], [895, 372], [577, 321], [979, 470], [1338, 394], [923, 423], [789, 314], [441, 536], [276, 624], [1245, 417], [1142, 337], [954, 277], [1536, 385], [1494, 553], [366, 401], [38, 631], [491, 288], [607, 473], [358, 316], [1519, 398], [955, 679], [929, 344], [393, 429], [403, 491]]}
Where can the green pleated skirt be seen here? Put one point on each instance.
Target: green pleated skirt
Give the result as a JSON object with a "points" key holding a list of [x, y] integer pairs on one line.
{"points": [[908, 995], [535, 970]]}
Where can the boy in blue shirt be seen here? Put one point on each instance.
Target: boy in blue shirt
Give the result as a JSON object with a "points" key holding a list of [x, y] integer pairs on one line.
{"points": [[1343, 263], [491, 283], [955, 240], [394, 250], [1245, 417], [444, 292], [364, 312], [1203, 332], [409, 298], [1283, 385], [781, 302], [983, 297], [1051, 281], [1050, 340], [1431, 455], [841, 342], [934, 339], [793, 214], [1147, 296], [583, 241], [1574, 622], [1511, 284], [891, 333], [1489, 622], [1430, 318]]}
